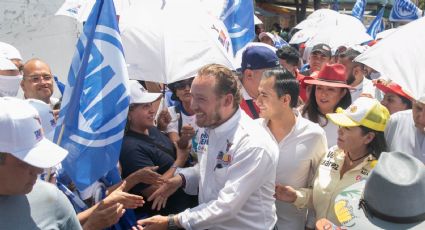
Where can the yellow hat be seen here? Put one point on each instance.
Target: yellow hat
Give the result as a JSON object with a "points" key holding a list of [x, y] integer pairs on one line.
{"points": [[364, 111]]}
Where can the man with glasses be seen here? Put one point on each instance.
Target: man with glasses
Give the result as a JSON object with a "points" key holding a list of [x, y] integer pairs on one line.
{"points": [[37, 81]]}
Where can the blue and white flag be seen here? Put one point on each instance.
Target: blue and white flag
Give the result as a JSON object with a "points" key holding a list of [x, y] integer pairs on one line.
{"points": [[377, 25], [335, 5], [95, 101], [238, 16], [404, 10], [358, 9]]}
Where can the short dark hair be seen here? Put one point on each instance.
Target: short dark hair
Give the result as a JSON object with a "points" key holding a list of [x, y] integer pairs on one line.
{"points": [[285, 83], [289, 54], [312, 109], [226, 81], [378, 144]]}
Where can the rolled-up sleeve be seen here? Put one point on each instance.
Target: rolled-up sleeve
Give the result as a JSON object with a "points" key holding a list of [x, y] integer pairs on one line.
{"points": [[246, 175]]}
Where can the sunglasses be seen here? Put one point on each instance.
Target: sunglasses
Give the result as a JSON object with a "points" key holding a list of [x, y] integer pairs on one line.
{"points": [[182, 84]]}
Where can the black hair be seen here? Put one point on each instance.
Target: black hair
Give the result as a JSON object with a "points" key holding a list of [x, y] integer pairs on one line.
{"points": [[378, 144], [406, 101], [289, 54], [285, 83], [312, 109]]}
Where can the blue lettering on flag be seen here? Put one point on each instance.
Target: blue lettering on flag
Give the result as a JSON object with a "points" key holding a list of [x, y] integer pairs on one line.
{"points": [[238, 16], [95, 101], [404, 10], [358, 9]]}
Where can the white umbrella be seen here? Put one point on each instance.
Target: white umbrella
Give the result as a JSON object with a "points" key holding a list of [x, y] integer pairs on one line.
{"points": [[303, 35], [337, 36], [167, 41], [385, 33], [317, 18], [400, 56]]}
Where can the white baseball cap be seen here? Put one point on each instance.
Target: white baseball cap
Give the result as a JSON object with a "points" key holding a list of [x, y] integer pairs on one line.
{"points": [[9, 51], [139, 95], [23, 137], [6, 64], [48, 122]]}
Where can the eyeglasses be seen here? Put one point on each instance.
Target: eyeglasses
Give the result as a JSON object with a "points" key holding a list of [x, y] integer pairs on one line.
{"points": [[182, 84], [38, 77]]}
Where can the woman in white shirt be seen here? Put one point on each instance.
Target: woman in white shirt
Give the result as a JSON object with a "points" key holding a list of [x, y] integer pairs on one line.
{"points": [[329, 92]]}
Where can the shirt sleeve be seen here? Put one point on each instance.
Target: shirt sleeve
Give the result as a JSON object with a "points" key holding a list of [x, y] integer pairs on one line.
{"points": [[303, 198], [173, 126], [244, 177], [65, 214], [191, 176]]}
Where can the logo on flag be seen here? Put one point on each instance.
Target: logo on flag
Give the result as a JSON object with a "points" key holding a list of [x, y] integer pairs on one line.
{"points": [[95, 101], [377, 25], [358, 9], [238, 16], [404, 10]]}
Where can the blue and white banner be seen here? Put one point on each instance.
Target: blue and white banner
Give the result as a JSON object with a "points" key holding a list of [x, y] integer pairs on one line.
{"points": [[377, 25], [404, 10], [95, 101], [358, 9], [238, 16]]}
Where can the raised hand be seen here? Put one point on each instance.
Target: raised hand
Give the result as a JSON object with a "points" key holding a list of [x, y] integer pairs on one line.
{"points": [[146, 175], [186, 134], [285, 193], [126, 199], [160, 196], [105, 215], [164, 118]]}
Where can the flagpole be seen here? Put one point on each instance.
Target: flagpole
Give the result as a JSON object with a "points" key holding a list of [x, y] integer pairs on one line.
{"points": [[49, 170]]}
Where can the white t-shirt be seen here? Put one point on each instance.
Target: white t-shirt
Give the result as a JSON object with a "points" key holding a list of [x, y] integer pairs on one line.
{"points": [[402, 135], [366, 86], [300, 153], [186, 120], [330, 128]]}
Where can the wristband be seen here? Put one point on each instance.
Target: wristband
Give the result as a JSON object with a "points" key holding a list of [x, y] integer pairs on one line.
{"points": [[183, 180]]}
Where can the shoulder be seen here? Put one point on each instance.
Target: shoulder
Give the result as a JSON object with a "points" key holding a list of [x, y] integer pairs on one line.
{"points": [[401, 116]]}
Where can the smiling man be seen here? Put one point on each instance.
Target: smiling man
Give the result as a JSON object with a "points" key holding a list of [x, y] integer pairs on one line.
{"points": [[236, 172], [37, 82]]}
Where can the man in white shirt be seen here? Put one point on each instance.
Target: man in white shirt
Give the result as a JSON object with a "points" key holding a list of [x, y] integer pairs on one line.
{"points": [[37, 82], [237, 163], [405, 131], [301, 142], [356, 75]]}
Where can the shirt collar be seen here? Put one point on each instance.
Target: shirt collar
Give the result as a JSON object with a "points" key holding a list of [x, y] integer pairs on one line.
{"points": [[229, 124]]}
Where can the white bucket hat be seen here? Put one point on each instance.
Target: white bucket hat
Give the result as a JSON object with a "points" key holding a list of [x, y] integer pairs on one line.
{"points": [[48, 122], [391, 198], [23, 137], [139, 95]]}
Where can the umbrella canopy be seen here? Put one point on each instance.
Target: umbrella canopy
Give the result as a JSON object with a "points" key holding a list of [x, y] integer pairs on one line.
{"points": [[385, 33], [399, 57], [303, 35], [318, 17], [337, 36], [168, 41]]}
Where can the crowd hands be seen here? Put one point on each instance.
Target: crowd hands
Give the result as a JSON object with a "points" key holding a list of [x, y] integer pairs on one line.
{"points": [[161, 186]]}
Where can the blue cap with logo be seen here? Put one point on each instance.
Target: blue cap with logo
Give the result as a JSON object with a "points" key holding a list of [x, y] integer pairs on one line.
{"points": [[259, 57]]}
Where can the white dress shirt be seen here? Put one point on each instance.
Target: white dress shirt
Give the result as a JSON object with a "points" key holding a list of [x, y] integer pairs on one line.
{"points": [[402, 135], [236, 177], [300, 153]]}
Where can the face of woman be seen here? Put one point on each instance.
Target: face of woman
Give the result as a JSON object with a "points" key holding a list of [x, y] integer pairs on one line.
{"points": [[184, 94], [328, 97], [141, 116], [393, 102], [352, 139]]}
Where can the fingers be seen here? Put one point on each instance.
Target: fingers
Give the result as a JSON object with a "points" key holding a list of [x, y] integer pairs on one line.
{"points": [[153, 168], [122, 186], [159, 203]]}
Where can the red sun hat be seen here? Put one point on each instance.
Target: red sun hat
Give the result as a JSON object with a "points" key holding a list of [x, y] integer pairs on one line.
{"points": [[395, 88], [332, 75]]}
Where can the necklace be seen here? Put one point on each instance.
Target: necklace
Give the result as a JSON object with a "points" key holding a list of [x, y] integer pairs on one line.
{"points": [[352, 160]]}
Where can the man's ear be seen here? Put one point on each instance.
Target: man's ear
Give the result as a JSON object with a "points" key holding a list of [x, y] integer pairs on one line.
{"points": [[228, 99]]}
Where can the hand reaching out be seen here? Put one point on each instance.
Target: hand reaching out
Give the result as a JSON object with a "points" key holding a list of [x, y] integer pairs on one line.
{"points": [[126, 199], [285, 193], [160, 196]]}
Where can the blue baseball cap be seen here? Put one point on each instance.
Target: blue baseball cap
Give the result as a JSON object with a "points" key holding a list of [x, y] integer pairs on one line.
{"points": [[259, 57]]}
